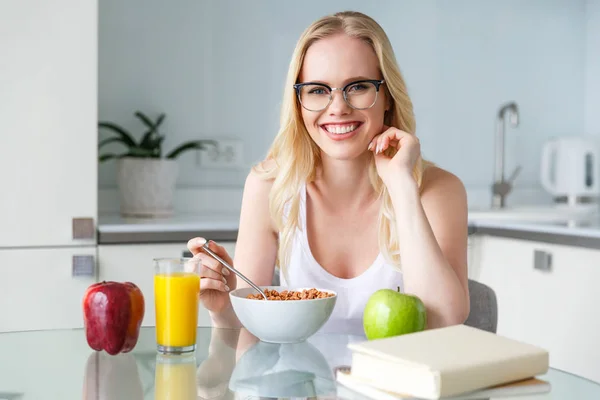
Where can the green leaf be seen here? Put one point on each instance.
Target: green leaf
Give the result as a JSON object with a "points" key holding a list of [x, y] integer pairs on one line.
{"points": [[105, 157], [145, 120], [148, 140], [110, 140], [159, 120], [140, 152], [157, 145], [127, 138], [192, 145]]}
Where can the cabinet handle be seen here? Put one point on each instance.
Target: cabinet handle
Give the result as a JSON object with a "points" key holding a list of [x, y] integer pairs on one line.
{"points": [[83, 228], [83, 265], [542, 260]]}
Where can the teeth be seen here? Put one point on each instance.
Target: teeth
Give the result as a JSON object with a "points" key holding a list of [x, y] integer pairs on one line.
{"points": [[340, 130]]}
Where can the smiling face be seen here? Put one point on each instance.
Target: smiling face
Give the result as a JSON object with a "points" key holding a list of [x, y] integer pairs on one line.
{"points": [[340, 131]]}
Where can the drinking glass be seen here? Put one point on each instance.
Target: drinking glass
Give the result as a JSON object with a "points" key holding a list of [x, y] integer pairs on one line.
{"points": [[176, 297]]}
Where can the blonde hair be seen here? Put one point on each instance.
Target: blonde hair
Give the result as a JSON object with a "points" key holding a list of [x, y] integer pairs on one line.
{"points": [[296, 156]]}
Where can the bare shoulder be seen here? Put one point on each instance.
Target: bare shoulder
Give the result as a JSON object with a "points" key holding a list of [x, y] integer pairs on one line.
{"points": [[257, 188], [439, 182], [265, 165], [258, 181]]}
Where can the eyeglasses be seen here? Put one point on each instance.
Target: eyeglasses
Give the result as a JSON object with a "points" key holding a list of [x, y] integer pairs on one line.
{"points": [[359, 95]]}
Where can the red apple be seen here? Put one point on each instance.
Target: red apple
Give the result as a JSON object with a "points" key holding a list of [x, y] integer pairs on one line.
{"points": [[137, 311], [112, 315]]}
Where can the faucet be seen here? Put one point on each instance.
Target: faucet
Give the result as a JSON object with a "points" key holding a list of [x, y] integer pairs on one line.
{"points": [[502, 187]]}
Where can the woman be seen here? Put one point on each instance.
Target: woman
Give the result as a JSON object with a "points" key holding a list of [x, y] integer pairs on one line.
{"points": [[344, 200]]}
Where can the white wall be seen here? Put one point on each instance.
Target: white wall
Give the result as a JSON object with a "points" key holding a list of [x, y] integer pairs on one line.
{"points": [[592, 68], [217, 69]]}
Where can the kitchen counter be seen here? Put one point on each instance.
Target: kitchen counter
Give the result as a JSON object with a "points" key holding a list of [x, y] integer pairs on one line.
{"points": [[114, 229], [584, 233]]}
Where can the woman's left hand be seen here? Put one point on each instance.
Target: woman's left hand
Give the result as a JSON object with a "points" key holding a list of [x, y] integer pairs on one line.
{"points": [[409, 150]]}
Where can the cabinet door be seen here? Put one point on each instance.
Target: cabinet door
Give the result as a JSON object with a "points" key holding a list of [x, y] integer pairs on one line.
{"points": [[547, 295], [39, 290], [505, 265], [48, 109], [566, 318], [474, 256], [134, 263]]}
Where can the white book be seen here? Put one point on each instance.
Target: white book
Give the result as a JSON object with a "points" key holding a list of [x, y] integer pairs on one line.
{"points": [[445, 362]]}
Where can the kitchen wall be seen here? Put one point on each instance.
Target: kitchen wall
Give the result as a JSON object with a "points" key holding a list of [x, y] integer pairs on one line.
{"points": [[592, 68], [217, 69]]}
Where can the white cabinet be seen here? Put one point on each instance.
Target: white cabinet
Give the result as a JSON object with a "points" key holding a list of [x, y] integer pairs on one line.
{"points": [[48, 109], [553, 305], [473, 256], [134, 263], [48, 161], [38, 289]]}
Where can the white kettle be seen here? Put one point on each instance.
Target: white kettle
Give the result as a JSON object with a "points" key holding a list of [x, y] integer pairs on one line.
{"points": [[570, 167]]}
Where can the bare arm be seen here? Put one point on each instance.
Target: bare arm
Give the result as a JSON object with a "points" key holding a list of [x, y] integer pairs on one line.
{"points": [[433, 233], [256, 244]]}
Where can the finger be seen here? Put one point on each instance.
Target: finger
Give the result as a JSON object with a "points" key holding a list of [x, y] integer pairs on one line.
{"points": [[209, 261], [385, 143], [371, 145], [201, 260], [393, 143], [381, 142], [212, 284], [194, 245], [396, 134], [398, 137], [213, 264], [206, 272], [220, 251]]}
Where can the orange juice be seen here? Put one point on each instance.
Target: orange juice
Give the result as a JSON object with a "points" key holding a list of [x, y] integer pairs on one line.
{"points": [[175, 380], [176, 306]]}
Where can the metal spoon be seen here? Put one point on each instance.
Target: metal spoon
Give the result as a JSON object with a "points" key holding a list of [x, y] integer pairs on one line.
{"points": [[235, 271]]}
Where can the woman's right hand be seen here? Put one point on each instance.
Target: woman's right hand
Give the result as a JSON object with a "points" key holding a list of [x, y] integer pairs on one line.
{"points": [[216, 281]]}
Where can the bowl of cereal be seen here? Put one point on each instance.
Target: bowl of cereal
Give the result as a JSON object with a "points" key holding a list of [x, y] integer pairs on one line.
{"points": [[290, 315]]}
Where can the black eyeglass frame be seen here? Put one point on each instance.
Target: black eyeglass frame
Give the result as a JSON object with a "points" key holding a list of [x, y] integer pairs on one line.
{"points": [[376, 82]]}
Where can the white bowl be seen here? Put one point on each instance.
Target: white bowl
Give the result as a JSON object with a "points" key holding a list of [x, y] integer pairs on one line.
{"points": [[281, 321]]}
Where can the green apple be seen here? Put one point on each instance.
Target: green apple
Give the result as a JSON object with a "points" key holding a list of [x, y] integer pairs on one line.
{"points": [[391, 313]]}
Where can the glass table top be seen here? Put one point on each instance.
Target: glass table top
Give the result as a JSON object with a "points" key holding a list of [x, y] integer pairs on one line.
{"points": [[227, 364]]}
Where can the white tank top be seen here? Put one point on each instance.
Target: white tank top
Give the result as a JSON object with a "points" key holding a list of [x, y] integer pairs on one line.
{"points": [[304, 271]]}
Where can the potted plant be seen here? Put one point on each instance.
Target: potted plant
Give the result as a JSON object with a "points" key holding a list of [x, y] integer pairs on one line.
{"points": [[146, 178]]}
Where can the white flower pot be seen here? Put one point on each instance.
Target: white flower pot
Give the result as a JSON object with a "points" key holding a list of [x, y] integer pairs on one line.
{"points": [[146, 186]]}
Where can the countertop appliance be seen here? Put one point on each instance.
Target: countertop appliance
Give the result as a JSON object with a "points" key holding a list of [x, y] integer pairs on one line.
{"points": [[570, 169]]}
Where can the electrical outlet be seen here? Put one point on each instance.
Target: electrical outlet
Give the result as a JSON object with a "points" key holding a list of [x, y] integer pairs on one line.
{"points": [[227, 154]]}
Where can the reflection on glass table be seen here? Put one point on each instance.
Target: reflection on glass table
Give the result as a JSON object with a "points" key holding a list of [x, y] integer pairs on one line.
{"points": [[227, 364], [283, 370]]}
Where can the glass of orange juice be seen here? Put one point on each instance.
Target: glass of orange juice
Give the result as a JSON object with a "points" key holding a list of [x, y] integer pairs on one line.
{"points": [[176, 297], [175, 377]]}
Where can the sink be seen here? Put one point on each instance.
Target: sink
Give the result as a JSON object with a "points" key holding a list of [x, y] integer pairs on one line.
{"points": [[535, 213]]}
